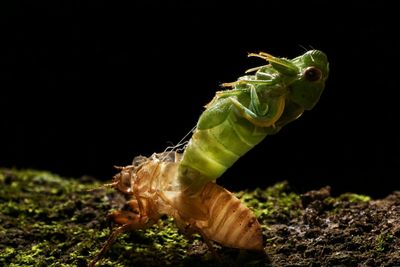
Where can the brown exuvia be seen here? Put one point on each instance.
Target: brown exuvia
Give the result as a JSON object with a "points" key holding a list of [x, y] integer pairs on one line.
{"points": [[153, 190]]}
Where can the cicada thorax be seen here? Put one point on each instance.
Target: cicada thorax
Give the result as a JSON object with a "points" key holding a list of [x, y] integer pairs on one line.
{"points": [[153, 178]]}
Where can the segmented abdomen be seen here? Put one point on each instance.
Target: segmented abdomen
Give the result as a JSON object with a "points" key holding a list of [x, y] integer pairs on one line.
{"points": [[229, 222], [212, 151]]}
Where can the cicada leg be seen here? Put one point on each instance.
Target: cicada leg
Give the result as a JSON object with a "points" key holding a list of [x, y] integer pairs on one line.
{"points": [[272, 111], [262, 55], [129, 220], [233, 84], [256, 68], [108, 243], [134, 205]]}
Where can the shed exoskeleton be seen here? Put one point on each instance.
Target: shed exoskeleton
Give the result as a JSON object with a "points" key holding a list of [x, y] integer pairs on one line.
{"points": [[153, 190]]}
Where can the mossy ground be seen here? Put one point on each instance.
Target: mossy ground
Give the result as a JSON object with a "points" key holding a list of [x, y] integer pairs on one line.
{"points": [[47, 220]]}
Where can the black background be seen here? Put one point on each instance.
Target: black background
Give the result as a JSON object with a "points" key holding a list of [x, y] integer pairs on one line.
{"points": [[86, 85]]}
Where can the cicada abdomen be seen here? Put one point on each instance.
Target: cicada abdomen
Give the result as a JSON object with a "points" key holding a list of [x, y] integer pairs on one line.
{"points": [[228, 221]]}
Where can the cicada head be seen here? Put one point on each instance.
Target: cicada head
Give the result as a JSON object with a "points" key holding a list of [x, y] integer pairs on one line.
{"points": [[302, 78], [123, 180], [313, 70]]}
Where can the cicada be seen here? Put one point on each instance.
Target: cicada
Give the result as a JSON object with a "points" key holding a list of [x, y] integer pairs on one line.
{"points": [[182, 185]]}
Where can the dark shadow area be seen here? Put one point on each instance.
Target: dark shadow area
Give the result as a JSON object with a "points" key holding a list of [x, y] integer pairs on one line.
{"points": [[88, 86]]}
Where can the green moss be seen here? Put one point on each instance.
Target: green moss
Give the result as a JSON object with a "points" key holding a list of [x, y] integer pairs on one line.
{"points": [[274, 204], [351, 197], [57, 221], [383, 241], [48, 220], [36, 213]]}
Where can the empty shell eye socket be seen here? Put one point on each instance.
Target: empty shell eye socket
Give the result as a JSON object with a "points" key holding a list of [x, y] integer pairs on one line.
{"points": [[312, 74]]}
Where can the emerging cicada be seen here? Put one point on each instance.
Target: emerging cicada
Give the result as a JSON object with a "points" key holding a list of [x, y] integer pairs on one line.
{"points": [[183, 185]]}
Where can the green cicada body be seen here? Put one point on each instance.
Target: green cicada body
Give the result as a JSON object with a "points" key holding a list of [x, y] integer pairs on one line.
{"points": [[258, 105]]}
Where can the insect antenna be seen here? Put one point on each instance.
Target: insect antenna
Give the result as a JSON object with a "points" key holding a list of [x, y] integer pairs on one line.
{"points": [[303, 47]]}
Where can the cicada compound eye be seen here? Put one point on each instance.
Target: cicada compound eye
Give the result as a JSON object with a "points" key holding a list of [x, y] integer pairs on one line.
{"points": [[312, 74]]}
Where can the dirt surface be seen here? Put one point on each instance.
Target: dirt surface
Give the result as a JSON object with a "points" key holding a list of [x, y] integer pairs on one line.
{"points": [[344, 231], [47, 220]]}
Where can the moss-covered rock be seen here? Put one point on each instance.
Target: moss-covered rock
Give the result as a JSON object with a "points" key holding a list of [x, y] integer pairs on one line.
{"points": [[47, 220]]}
